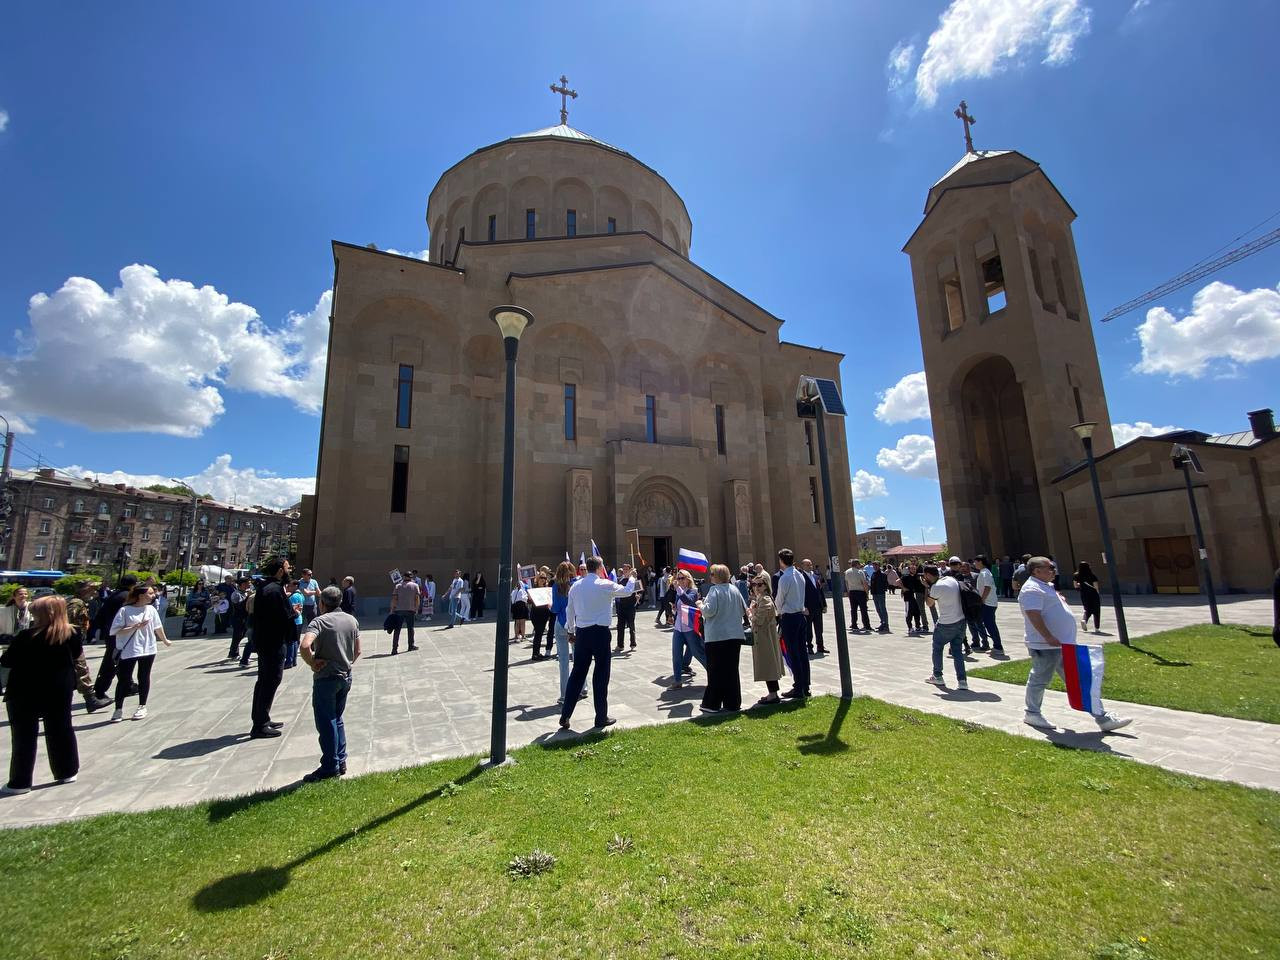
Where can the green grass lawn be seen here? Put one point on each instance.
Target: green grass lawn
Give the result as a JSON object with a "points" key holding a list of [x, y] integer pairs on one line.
{"points": [[1231, 671], [830, 830]]}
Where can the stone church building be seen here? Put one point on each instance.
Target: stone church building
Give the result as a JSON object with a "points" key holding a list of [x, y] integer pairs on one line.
{"points": [[651, 395], [1011, 365]]}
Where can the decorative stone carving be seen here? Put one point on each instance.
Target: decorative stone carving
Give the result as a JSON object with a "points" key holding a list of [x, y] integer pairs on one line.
{"points": [[655, 509], [578, 493]]}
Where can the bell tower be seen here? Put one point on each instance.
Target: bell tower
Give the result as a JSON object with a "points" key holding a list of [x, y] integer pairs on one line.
{"points": [[1009, 354]]}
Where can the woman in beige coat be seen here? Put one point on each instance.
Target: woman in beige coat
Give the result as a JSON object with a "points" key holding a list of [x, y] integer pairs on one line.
{"points": [[766, 654]]}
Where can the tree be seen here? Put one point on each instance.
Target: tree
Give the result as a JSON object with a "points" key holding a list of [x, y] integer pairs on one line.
{"points": [[176, 491], [870, 555], [942, 556]]}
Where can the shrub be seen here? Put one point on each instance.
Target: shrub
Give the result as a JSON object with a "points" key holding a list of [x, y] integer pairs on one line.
{"points": [[70, 585], [181, 578]]}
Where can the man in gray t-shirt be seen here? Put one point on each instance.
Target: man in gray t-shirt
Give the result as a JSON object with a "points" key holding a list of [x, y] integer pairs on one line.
{"points": [[330, 645]]}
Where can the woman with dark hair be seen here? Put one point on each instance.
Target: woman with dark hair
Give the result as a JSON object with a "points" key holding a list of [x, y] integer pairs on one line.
{"points": [[1087, 583], [478, 590], [136, 628], [540, 616], [566, 574], [41, 660]]}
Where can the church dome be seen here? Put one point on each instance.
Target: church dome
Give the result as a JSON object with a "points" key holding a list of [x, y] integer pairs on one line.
{"points": [[981, 168], [554, 182]]}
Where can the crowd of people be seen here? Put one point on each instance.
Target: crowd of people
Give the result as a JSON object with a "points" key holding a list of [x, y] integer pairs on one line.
{"points": [[573, 610]]}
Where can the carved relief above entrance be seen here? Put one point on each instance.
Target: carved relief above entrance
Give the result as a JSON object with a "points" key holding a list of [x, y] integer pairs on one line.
{"points": [[661, 503], [578, 497]]}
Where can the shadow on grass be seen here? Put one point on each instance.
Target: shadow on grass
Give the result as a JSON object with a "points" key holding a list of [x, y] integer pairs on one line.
{"points": [[817, 744], [254, 886], [1159, 660]]}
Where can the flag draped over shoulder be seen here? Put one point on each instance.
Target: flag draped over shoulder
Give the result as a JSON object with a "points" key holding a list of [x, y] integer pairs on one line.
{"points": [[692, 561], [688, 618], [1082, 672]]}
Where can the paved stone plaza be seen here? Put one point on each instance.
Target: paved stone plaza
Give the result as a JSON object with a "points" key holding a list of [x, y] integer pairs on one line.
{"points": [[434, 703]]}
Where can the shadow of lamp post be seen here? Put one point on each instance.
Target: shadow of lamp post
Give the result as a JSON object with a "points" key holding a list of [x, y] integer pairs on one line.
{"points": [[512, 322], [1085, 432]]}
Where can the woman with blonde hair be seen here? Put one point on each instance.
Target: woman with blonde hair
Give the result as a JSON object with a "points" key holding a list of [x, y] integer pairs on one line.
{"points": [[136, 628], [722, 612], [41, 660], [766, 653], [686, 644]]}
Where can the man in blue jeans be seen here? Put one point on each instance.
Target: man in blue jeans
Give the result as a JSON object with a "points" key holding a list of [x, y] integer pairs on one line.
{"points": [[986, 587], [330, 645], [943, 597], [587, 620]]}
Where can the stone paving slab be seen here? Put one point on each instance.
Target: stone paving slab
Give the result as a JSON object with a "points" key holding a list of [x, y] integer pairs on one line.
{"points": [[435, 703]]}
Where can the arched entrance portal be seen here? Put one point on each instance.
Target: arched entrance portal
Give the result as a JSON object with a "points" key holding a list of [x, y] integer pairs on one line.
{"points": [[1005, 490], [666, 515]]}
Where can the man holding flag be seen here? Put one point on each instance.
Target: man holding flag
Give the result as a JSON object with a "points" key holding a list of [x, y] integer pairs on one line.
{"points": [[1051, 639]]}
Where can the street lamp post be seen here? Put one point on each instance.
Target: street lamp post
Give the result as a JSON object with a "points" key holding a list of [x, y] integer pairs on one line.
{"points": [[1085, 432], [191, 536], [811, 403], [1187, 461], [512, 321]]}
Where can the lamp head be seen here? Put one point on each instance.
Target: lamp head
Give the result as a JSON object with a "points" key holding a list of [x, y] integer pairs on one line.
{"points": [[1084, 430], [511, 320]]}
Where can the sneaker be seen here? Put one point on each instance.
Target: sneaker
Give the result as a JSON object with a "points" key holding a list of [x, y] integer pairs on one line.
{"points": [[140, 713], [318, 774], [70, 779], [92, 704], [1036, 720], [936, 681], [1109, 721], [342, 769], [274, 724], [118, 716], [8, 791], [675, 686], [962, 684]]}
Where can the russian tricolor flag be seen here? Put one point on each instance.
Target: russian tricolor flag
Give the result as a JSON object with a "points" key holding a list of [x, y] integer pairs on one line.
{"points": [[692, 561], [1082, 674]]}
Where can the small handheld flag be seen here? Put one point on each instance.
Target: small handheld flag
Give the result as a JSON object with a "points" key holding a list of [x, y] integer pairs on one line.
{"points": [[692, 561], [566, 556], [595, 551], [1082, 674], [688, 617]]}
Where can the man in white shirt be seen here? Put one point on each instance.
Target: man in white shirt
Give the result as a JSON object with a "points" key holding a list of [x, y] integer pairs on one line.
{"points": [[986, 587], [587, 620], [454, 596], [1049, 624], [793, 617], [943, 597], [855, 582]]}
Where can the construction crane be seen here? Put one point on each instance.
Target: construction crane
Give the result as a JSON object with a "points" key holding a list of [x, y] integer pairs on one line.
{"points": [[1202, 269]]}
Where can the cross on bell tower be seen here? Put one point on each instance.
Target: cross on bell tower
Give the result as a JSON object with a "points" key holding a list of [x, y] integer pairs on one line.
{"points": [[565, 94], [962, 114]]}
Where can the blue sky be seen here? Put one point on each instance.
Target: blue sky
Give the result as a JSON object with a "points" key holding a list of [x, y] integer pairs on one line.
{"points": [[225, 148]]}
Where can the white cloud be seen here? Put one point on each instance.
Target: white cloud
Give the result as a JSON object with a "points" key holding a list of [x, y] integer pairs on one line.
{"points": [[416, 254], [1124, 432], [244, 486], [898, 67], [862, 522], [908, 399], [4, 120], [152, 355], [979, 38], [868, 485], [1226, 326], [914, 455]]}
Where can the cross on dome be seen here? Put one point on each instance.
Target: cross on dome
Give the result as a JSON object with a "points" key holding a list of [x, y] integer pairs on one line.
{"points": [[565, 94], [962, 114]]}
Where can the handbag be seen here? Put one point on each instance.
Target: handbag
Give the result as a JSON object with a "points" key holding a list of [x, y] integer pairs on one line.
{"points": [[391, 622]]}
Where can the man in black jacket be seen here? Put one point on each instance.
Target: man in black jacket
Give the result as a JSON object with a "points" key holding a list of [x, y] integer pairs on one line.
{"points": [[102, 623], [273, 630], [815, 601]]}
